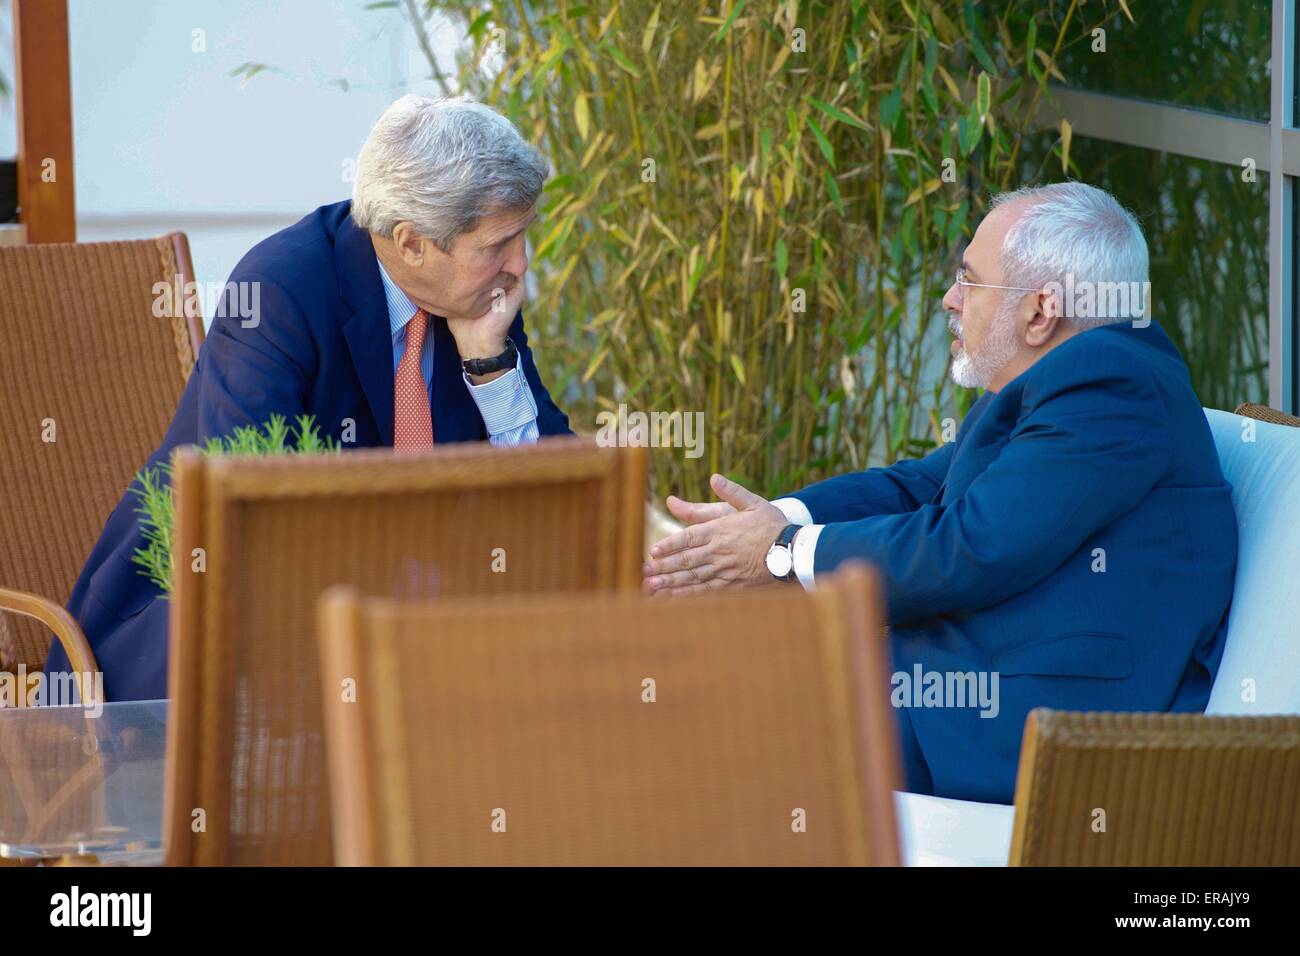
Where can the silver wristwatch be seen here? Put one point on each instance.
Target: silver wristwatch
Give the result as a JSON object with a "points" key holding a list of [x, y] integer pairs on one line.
{"points": [[780, 557]]}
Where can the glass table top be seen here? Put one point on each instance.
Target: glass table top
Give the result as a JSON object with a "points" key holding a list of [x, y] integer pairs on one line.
{"points": [[80, 782]]}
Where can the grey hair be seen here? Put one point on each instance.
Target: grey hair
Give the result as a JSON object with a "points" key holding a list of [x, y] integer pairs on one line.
{"points": [[442, 164], [1076, 230]]}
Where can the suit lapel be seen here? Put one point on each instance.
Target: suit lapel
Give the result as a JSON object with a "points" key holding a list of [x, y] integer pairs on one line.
{"points": [[366, 330], [972, 415]]}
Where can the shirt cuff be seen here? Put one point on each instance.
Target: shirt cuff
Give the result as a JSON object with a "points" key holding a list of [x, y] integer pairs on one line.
{"points": [[795, 511], [805, 548], [506, 403]]}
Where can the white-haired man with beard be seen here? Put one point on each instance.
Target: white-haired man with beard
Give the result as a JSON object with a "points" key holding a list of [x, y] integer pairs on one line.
{"points": [[1073, 547]]}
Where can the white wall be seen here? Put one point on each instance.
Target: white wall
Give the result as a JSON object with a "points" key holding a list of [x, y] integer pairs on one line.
{"points": [[8, 129], [165, 138]]}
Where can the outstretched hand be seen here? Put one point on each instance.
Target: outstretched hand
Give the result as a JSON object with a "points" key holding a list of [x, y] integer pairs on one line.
{"points": [[724, 543]]}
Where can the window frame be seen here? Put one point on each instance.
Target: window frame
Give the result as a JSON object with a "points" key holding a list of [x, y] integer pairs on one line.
{"points": [[1199, 134]]}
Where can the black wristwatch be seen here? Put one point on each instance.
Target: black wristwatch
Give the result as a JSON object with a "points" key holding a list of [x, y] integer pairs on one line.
{"points": [[486, 366], [780, 557]]}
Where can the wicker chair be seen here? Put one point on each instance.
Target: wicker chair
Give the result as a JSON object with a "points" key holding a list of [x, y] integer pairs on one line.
{"points": [[245, 742], [1264, 413], [737, 729], [89, 378], [1122, 789]]}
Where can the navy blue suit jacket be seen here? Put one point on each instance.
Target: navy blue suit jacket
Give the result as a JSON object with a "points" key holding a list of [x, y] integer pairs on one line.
{"points": [[322, 346], [992, 550]]}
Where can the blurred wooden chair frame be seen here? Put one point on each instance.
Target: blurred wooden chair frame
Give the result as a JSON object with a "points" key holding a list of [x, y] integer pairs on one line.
{"points": [[245, 752], [732, 729]]}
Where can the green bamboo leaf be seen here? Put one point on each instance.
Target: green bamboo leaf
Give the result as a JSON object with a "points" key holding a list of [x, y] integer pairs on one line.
{"points": [[827, 150], [551, 238], [835, 113], [582, 115], [983, 94], [731, 17], [833, 188], [890, 107], [595, 363], [648, 38], [694, 279], [619, 57], [981, 54], [973, 39], [781, 258], [899, 426], [974, 129], [931, 97], [559, 182], [1009, 90], [738, 367]]}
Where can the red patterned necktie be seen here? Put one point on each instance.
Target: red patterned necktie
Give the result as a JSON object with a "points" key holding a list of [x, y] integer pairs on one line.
{"points": [[412, 420]]}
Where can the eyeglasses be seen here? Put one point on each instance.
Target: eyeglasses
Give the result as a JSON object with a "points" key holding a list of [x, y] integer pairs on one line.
{"points": [[961, 283]]}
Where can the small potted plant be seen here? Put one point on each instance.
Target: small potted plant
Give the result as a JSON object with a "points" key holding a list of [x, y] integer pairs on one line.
{"points": [[157, 499]]}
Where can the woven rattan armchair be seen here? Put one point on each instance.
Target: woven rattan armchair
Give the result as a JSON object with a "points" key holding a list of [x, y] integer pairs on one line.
{"points": [[245, 748], [737, 729], [93, 363], [1264, 413], [1129, 789]]}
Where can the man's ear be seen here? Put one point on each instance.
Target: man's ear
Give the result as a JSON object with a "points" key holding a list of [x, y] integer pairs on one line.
{"points": [[408, 245], [1045, 320]]}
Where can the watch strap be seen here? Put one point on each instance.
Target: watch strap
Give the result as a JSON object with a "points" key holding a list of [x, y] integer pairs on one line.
{"points": [[786, 538], [486, 366]]}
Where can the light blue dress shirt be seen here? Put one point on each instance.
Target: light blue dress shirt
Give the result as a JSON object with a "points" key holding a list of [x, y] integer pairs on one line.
{"points": [[507, 404]]}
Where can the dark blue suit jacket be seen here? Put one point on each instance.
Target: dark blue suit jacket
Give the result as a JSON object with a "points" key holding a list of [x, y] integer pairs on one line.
{"points": [[322, 346], [991, 550]]}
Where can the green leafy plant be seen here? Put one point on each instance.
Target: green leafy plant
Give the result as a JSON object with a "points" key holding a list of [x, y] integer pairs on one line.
{"points": [[157, 498]]}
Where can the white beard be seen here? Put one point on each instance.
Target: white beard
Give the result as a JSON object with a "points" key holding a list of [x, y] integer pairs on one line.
{"points": [[999, 348]]}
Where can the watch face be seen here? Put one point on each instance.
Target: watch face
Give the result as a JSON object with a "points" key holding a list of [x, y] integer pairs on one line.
{"points": [[779, 561]]}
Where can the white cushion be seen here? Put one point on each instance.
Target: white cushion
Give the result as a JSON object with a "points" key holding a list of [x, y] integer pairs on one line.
{"points": [[937, 831], [1264, 622]]}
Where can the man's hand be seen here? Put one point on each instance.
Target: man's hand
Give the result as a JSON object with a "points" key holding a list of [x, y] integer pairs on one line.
{"points": [[724, 545], [485, 336]]}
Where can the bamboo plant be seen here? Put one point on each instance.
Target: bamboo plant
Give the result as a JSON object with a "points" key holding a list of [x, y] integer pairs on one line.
{"points": [[757, 206]]}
